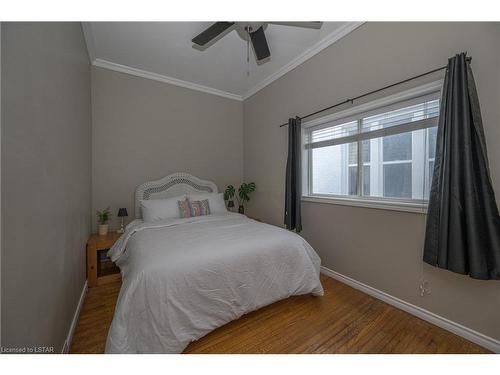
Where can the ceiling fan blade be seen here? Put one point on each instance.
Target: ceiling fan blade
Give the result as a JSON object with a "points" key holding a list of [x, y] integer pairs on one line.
{"points": [[259, 43], [211, 33], [309, 25]]}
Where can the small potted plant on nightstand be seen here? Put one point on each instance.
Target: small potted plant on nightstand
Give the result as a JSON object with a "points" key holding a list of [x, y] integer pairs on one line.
{"points": [[103, 218]]}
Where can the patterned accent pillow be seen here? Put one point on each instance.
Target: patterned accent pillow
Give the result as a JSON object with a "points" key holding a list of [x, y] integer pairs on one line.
{"points": [[200, 208], [184, 208]]}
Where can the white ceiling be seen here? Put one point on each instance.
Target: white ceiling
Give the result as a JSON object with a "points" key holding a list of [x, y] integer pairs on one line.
{"points": [[164, 51]]}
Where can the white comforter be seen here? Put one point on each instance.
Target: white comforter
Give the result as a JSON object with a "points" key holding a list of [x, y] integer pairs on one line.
{"points": [[182, 278]]}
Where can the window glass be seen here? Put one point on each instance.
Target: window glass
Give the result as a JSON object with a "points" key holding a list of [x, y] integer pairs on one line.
{"points": [[331, 172], [394, 166], [401, 116], [353, 180], [432, 133], [333, 132], [366, 151], [366, 180], [397, 180], [353, 153], [397, 147]]}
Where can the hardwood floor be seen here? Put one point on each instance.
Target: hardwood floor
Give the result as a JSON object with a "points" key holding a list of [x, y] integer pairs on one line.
{"points": [[345, 320]]}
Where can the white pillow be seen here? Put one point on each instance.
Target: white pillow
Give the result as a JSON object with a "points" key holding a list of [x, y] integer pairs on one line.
{"points": [[215, 201], [158, 209]]}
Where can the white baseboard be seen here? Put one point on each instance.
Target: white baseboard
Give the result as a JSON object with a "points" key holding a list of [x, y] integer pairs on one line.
{"points": [[69, 338], [458, 329]]}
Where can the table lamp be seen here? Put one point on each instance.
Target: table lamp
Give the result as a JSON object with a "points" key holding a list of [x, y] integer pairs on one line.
{"points": [[122, 212]]}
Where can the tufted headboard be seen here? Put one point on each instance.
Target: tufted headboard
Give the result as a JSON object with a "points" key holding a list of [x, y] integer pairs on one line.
{"points": [[171, 186]]}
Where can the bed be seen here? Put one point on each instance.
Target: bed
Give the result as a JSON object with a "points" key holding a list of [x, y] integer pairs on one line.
{"points": [[183, 278]]}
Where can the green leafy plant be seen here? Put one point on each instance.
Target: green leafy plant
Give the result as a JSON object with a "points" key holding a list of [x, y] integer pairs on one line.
{"points": [[103, 216], [229, 193], [243, 195], [244, 192]]}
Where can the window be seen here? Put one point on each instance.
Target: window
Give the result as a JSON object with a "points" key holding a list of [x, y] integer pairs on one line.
{"points": [[382, 152]]}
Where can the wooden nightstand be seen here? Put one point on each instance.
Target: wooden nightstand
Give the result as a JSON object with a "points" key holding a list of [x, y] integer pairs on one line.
{"points": [[96, 244]]}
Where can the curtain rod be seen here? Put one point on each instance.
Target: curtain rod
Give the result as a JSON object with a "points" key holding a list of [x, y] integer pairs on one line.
{"points": [[468, 59]]}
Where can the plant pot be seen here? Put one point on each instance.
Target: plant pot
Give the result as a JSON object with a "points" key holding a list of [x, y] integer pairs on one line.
{"points": [[103, 229], [241, 209]]}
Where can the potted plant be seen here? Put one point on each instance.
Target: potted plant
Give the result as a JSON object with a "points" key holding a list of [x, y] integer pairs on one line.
{"points": [[243, 195], [103, 218], [229, 195]]}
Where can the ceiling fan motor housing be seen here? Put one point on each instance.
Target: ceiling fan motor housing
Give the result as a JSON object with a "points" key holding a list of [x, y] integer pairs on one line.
{"points": [[250, 26]]}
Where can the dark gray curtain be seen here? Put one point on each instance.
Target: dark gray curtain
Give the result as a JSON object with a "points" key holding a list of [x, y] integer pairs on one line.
{"points": [[463, 226], [293, 184]]}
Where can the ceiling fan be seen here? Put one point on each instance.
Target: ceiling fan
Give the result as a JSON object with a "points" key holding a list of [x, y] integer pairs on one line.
{"points": [[251, 31]]}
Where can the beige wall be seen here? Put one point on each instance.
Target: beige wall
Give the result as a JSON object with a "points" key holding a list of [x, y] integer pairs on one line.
{"points": [[144, 130], [46, 161], [377, 247]]}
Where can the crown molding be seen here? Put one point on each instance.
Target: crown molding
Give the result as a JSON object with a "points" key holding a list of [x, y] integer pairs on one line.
{"points": [[306, 55], [161, 78], [90, 41], [315, 49]]}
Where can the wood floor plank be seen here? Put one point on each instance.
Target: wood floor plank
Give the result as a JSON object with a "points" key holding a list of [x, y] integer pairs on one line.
{"points": [[344, 320]]}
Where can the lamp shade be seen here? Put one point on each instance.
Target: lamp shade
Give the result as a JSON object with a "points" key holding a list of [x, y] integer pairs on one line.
{"points": [[122, 212], [230, 204]]}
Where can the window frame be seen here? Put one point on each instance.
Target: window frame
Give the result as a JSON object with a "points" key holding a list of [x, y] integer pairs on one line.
{"points": [[430, 91]]}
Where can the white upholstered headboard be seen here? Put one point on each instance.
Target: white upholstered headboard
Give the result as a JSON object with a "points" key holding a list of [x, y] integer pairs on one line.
{"points": [[171, 186]]}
